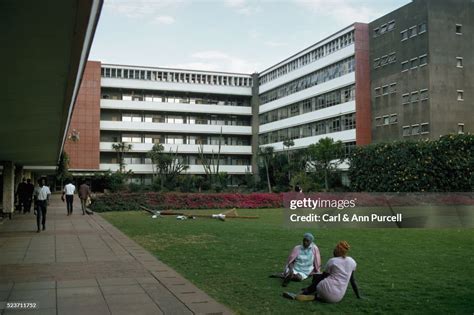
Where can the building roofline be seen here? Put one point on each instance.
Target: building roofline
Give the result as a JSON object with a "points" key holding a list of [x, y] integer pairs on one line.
{"points": [[307, 48], [177, 69]]}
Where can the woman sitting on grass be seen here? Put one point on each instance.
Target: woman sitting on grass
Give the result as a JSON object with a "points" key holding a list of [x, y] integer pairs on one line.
{"points": [[331, 285], [304, 260]]}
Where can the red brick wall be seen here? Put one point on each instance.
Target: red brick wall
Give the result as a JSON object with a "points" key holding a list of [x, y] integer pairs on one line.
{"points": [[85, 153], [362, 78]]}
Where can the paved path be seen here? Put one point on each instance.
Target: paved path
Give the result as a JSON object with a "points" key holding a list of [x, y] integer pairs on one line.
{"points": [[84, 265]]}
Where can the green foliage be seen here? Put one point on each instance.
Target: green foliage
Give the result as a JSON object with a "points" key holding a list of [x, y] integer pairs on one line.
{"points": [[440, 165], [62, 170], [114, 181], [325, 156]]}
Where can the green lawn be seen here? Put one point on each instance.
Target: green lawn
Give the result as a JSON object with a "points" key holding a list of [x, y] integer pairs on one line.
{"points": [[399, 270]]}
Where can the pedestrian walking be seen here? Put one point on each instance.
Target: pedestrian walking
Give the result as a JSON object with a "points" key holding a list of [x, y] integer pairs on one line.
{"points": [[69, 191], [84, 195], [29, 190], [42, 194]]}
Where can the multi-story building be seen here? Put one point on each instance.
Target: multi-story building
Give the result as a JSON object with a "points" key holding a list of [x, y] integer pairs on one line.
{"points": [[422, 70], [319, 92], [406, 75], [196, 114]]}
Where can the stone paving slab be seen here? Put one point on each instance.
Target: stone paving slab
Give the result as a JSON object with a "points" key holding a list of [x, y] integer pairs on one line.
{"points": [[84, 265]]}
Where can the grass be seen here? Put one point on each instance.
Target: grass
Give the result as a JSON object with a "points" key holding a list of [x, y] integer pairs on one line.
{"points": [[399, 270]]}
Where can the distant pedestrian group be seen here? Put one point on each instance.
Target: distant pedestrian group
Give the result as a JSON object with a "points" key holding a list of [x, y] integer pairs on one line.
{"points": [[84, 193]]}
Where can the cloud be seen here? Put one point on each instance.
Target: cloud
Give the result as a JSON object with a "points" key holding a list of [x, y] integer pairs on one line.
{"points": [[344, 11], [242, 7], [214, 60], [141, 8], [163, 19]]}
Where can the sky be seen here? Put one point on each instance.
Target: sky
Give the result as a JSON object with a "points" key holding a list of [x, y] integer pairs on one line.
{"points": [[243, 36]]}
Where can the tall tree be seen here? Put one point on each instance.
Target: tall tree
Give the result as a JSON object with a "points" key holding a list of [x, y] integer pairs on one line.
{"points": [[166, 165], [121, 148], [287, 144], [266, 155], [326, 155]]}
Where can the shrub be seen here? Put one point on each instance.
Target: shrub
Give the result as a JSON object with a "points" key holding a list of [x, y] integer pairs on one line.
{"points": [[169, 201], [407, 166]]}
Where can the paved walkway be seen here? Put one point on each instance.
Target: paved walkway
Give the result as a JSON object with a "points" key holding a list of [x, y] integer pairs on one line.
{"points": [[84, 265]]}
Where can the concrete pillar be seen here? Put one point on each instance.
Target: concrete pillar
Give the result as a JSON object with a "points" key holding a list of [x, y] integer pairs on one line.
{"points": [[8, 188]]}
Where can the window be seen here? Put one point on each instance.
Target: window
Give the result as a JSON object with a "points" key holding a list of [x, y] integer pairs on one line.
{"points": [[413, 63], [423, 94], [415, 129], [412, 31], [459, 29], [460, 95], [378, 121], [459, 61], [404, 35], [406, 131], [383, 28], [392, 58], [392, 88], [405, 66], [385, 89], [421, 28], [460, 128], [423, 60], [376, 32], [386, 120], [377, 92], [393, 119], [414, 96], [307, 106], [376, 63], [384, 61], [405, 98], [390, 26], [425, 128]]}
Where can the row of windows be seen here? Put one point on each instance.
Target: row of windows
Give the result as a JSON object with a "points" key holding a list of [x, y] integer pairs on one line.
{"points": [[135, 158], [174, 139], [416, 129], [413, 31], [386, 89], [385, 60], [329, 48], [386, 120], [221, 120], [173, 76], [384, 28], [166, 97], [413, 63], [320, 76], [415, 96], [344, 122], [336, 97]]}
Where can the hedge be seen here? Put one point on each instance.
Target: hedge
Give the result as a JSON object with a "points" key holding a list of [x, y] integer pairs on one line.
{"points": [[171, 201], [443, 165]]}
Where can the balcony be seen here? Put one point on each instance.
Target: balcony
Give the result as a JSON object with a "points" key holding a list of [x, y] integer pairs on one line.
{"points": [[175, 128], [183, 148], [193, 169]]}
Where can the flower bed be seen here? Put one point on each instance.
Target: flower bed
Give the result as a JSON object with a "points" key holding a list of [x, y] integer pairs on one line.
{"points": [[171, 201]]}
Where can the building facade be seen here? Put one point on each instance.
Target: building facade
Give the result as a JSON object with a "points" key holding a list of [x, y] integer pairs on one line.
{"points": [[406, 75], [422, 70]]}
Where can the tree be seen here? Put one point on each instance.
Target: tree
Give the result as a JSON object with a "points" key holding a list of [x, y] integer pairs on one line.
{"points": [[326, 155], [121, 148], [166, 165], [266, 154], [211, 164], [62, 170], [287, 144]]}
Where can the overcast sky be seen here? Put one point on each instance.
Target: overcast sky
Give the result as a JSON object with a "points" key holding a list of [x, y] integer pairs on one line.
{"points": [[223, 35]]}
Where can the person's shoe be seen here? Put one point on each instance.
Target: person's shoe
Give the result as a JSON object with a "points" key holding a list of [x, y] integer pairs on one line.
{"points": [[38, 231], [44, 228], [304, 298], [289, 295]]}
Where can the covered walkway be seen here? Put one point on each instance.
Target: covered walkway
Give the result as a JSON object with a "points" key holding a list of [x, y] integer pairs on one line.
{"points": [[83, 265]]}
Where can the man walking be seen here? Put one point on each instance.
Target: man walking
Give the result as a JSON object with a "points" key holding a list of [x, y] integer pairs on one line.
{"points": [[42, 194], [84, 194], [69, 190], [21, 194], [29, 190]]}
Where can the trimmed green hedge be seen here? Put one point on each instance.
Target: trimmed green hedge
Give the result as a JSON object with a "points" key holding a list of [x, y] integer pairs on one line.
{"points": [[407, 166]]}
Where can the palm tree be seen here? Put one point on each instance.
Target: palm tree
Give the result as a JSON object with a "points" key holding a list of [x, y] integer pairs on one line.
{"points": [[267, 154], [121, 148]]}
